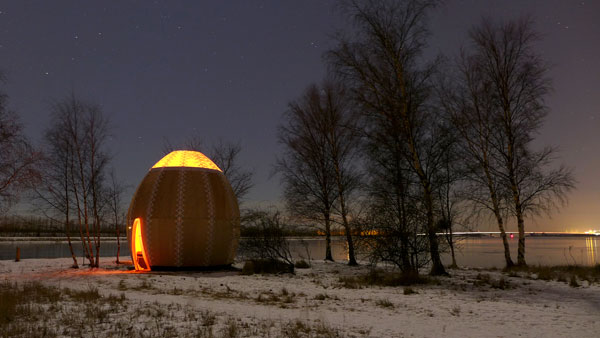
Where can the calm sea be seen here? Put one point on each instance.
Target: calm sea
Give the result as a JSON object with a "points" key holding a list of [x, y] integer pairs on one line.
{"points": [[473, 252]]}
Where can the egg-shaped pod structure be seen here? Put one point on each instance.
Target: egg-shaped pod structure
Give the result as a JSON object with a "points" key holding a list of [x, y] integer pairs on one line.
{"points": [[184, 214]]}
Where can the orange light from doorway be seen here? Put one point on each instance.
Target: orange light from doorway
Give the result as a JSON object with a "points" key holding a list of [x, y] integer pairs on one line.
{"points": [[140, 260]]}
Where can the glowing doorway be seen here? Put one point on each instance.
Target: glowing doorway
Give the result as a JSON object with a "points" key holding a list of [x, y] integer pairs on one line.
{"points": [[137, 247]]}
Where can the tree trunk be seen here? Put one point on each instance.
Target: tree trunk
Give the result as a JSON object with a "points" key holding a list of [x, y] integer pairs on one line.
{"points": [[351, 255], [437, 268], [451, 243], [68, 225], [521, 226], [118, 242], [496, 206], [404, 254], [509, 262], [68, 233], [518, 207], [328, 256]]}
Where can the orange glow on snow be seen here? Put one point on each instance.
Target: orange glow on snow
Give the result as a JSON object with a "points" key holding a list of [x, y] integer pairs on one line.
{"points": [[137, 245], [186, 158]]}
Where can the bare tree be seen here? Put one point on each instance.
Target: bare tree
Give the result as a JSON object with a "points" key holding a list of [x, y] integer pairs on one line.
{"points": [[335, 118], [226, 156], [471, 111], [53, 194], [18, 159], [306, 169], [267, 239], [449, 198], [77, 137], [114, 195], [505, 57], [393, 87]]}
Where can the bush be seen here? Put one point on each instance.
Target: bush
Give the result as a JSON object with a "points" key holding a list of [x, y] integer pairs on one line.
{"points": [[382, 278], [302, 264], [384, 303], [573, 282], [409, 291], [267, 244], [267, 266]]}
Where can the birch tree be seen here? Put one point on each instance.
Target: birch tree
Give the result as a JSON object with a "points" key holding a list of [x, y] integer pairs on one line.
{"points": [[306, 171], [504, 56], [382, 63]]}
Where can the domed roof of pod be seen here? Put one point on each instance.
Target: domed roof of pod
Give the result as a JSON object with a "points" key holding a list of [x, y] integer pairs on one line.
{"points": [[183, 214], [186, 158]]}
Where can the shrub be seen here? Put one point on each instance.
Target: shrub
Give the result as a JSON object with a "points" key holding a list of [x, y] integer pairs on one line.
{"points": [[271, 266], [321, 296], [384, 303], [573, 282], [455, 311], [302, 264], [266, 241], [409, 291]]}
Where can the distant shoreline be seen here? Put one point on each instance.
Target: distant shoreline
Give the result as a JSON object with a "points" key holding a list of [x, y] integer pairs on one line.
{"points": [[114, 238]]}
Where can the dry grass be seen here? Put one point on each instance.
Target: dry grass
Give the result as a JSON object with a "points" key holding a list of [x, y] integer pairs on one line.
{"points": [[560, 273], [484, 279], [377, 277], [384, 303], [36, 310]]}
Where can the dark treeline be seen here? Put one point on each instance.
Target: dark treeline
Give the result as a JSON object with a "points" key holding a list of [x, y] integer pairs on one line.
{"points": [[396, 149], [37, 226]]}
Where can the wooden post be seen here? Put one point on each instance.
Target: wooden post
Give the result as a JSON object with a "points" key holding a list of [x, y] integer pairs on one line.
{"points": [[18, 257]]}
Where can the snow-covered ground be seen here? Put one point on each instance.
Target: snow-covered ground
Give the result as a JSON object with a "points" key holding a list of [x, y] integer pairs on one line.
{"points": [[315, 302]]}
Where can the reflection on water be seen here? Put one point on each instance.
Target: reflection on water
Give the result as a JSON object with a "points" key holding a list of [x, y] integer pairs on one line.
{"points": [[489, 252], [473, 252], [56, 249], [591, 244]]}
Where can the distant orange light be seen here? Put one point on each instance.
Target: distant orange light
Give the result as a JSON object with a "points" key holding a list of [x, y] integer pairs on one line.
{"points": [[186, 158], [139, 253]]}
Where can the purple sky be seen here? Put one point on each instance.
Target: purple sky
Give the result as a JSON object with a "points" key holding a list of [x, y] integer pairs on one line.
{"points": [[227, 69]]}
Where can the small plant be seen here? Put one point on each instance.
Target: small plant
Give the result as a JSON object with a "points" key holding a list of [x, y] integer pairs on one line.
{"points": [[321, 296], [231, 329], [248, 268], [455, 311], [545, 274], [207, 318], [573, 282], [349, 282], [302, 264], [384, 303], [176, 291], [270, 266], [122, 286], [501, 284], [409, 291], [484, 278]]}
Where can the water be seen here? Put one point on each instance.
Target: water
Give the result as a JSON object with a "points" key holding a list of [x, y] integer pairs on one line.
{"points": [[484, 252], [543, 250]]}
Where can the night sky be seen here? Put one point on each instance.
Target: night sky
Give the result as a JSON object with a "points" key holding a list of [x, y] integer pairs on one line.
{"points": [[173, 69]]}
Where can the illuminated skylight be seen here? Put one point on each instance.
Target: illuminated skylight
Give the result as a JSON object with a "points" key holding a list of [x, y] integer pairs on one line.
{"points": [[186, 158]]}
